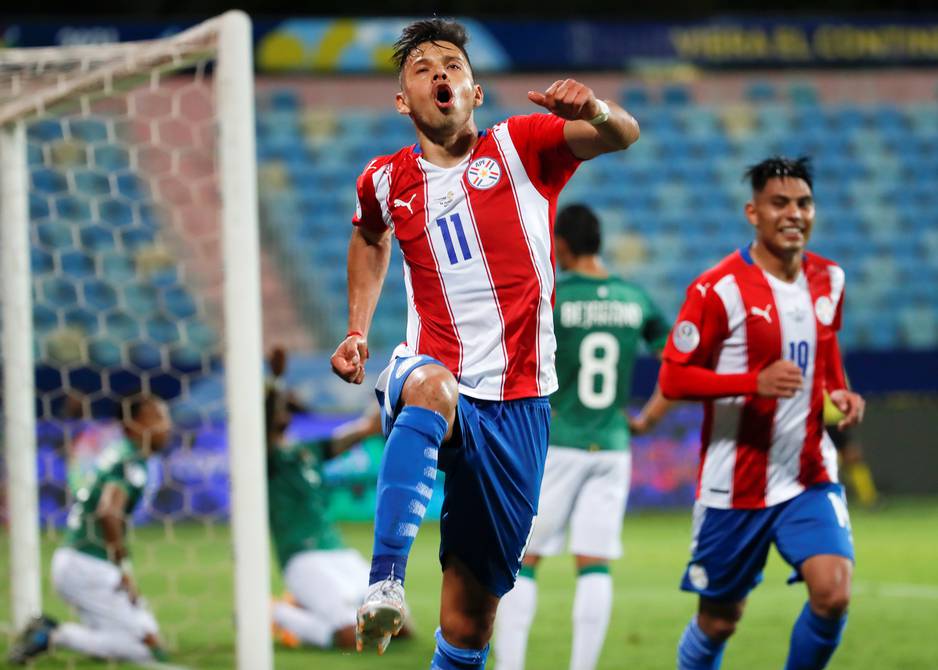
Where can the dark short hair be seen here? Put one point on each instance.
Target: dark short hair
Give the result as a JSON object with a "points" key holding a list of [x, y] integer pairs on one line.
{"points": [[778, 167], [433, 30], [578, 226], [130, 407]]}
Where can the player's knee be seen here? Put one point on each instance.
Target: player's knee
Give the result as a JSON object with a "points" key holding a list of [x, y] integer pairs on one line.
{"points": [[828, 579], [467, 630], [830, 600], [432, 387], [718, 620], [717, 629]]}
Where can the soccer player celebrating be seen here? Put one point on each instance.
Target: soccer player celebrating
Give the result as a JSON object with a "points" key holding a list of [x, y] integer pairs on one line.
{"points": [[756, 340], [326, 580], [91, 572], [599, 320], [472, 212]]}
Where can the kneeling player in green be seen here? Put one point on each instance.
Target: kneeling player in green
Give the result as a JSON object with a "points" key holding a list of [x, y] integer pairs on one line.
{"points": [[326, 580], [599, 320], [91, 571]]}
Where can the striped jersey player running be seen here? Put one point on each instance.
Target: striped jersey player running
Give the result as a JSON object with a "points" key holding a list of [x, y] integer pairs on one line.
{"points": [[472, 212], [756, 340]]}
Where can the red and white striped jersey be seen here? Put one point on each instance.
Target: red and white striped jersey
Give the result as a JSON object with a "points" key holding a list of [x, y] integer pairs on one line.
{"points": [[477, 241], [758, 451]]}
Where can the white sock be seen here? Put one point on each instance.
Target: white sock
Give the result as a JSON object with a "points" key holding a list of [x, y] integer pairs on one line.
{"points": [[113, 644], [512, 624], [310, 628], [592, 607]]}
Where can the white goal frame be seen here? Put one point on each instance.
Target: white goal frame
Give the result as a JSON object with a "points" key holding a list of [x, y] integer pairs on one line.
{"points": [[229, 37]]}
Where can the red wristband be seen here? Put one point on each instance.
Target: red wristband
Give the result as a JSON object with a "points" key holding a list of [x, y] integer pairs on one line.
{"points": [[356, 333]]}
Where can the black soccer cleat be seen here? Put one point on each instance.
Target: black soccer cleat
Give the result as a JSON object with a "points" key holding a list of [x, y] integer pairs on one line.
{"points": [[33, 641]]}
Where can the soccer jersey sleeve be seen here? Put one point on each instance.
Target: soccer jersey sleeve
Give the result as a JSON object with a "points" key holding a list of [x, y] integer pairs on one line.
{"points": [[130, 476], [686, 369], [701, 325], [368, 212], [835, 377], [544, 152]]}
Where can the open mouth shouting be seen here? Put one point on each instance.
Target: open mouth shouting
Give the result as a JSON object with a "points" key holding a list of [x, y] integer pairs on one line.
{"points": [[443, 96]]}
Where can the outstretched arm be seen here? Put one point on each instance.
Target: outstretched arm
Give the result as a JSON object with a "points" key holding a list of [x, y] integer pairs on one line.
{"points": [[110, 512], [576, 102], [368, 256], [653, 411], [354, 431]]}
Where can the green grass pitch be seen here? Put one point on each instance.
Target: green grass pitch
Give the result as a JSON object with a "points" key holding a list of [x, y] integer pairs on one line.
{"points": [[186, 571]]}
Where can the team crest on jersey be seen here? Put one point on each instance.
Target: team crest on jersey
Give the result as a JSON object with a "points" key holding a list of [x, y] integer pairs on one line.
{"points": [[824, 310], [483, 173], [686, 337]]}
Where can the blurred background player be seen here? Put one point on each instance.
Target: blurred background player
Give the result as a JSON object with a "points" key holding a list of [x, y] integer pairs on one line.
{"points": [[599, 320], [91, 571], [326, 581], [480, 339], [757, 340]]}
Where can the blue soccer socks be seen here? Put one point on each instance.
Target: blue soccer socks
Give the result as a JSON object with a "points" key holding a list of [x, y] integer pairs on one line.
{"points": [[405, 484], [813, 640], [448, 657], [696, 651]]}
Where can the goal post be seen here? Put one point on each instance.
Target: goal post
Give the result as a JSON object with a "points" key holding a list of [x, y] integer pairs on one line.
{"points": [[39, 83], [19, 427]]}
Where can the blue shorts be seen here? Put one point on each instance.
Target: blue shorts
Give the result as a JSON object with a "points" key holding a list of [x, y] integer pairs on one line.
{"points": [[731, 546], [494, 465]]}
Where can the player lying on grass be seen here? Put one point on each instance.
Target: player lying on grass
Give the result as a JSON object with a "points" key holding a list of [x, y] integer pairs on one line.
{"points": [[326, 580], [472, 212], [600, 319], [756, 340], [91, 571]]}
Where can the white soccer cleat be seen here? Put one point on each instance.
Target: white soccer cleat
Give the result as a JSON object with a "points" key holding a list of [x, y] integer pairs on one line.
{"points": [[381, 615]]}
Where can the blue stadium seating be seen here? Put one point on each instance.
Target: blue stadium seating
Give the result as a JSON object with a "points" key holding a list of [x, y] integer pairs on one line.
{"points": [[679, 190]]}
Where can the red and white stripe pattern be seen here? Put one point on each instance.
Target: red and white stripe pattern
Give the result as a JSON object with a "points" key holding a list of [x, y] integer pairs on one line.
{"points": [[758, 451], [478, 255]]}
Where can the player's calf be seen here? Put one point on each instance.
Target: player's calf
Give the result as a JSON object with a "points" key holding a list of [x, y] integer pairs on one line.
{"points": [[704, 639], [819, 628], [408, 470]]}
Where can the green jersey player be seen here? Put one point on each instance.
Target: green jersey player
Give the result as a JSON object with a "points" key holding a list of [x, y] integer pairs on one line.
{"points": [[600, 322], [91, 570], [326, 581]]}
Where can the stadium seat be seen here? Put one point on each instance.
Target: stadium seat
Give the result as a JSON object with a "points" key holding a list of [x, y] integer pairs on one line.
{"points": [[95, 237], [104, 353], [54, 235], [48, 180], [99, 295], [121, 326], [59, 292], [89, 130]]}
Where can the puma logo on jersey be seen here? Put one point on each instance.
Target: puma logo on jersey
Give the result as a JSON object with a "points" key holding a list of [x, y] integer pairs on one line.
{"points": [[703, 289], [371, 165], [764, 313], [400, 203]]}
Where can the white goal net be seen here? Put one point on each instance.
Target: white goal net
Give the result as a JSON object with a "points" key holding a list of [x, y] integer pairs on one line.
{"points": [[130, 265]]}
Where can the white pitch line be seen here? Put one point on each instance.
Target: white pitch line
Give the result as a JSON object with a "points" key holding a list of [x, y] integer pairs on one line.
{"points": [[921, 591], [156, 665]]}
